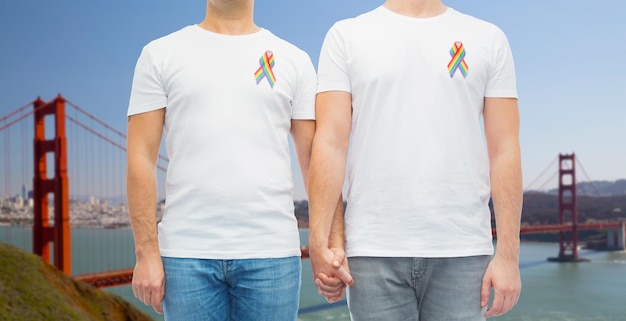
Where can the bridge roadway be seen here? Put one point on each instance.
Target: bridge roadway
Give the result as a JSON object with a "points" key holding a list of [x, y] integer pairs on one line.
{"points": [[538, 229], [124, 277]]}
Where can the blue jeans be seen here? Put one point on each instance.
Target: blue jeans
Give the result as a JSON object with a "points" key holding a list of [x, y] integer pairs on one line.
{"points": [[237, 290], [418, 289]]}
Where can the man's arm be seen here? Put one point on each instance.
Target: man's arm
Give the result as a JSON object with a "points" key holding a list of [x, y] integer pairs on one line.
{"points": [[302, 132], [333, 287], [143, 141], [327, 173], [501, 118], [337, 239]]}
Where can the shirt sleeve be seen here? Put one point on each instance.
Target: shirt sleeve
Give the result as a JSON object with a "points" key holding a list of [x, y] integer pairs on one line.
{"points": [[333, 67], [147, 92], [501, 81], [304, 99]]}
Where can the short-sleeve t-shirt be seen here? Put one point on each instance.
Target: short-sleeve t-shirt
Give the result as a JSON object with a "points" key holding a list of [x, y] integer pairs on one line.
{"points": [[229, 102], [418, 169]]}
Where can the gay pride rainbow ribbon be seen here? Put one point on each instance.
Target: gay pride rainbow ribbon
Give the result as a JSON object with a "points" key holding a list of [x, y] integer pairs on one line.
{"points": [[265, 70], [458, 62]]}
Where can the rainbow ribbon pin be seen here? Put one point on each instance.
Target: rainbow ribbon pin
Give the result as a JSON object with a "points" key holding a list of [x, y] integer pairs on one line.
{"points": [[265, 70], [458, 62]]}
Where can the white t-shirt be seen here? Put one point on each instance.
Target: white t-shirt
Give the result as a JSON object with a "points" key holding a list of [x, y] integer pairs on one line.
{"points": [[418, 169], [229, 104]]}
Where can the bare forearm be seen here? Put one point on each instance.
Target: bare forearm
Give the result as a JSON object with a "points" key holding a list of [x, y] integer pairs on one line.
{"points": [[141, 193], [302, 132], [337, 234], [325, 183], [328, 164], [506, 187]]}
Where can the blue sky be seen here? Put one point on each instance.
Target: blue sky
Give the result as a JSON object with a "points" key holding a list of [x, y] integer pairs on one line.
{"points": [[570, 59]]}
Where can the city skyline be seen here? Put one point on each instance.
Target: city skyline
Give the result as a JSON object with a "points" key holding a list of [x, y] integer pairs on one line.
{"points": [[570, 77]]}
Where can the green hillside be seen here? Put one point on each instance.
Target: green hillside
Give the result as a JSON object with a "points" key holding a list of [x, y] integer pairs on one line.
{"points": [[31, 290]]}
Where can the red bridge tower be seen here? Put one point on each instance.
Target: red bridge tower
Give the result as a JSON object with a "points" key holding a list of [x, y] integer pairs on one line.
{"points": [[57, 186], [568, 210]]}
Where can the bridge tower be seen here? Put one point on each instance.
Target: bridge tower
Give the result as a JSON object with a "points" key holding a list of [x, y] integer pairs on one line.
{"points": [[568, 210], [616, 238], [56, 186]]}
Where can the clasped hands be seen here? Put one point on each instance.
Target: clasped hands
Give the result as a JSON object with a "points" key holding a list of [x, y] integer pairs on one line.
{"points": [[331, 273]]}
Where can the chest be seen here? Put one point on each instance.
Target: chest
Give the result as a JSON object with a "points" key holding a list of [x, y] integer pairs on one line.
{"points": [[241, 79], [453, 58]]}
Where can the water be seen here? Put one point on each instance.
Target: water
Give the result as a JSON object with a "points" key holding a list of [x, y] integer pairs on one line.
{"points": [[589, 291]]}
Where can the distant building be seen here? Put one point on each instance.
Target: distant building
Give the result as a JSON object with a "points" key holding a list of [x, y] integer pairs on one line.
{"points": [[19, 202]]}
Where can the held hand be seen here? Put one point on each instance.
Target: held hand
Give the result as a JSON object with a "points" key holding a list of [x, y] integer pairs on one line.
{"points": [[149, 282], [332, 287], [340, 263], [504, 277], [331, 273]]}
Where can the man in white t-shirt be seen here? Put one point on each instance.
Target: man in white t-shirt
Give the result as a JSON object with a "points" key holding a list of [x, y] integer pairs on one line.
{"points": [[406, 85], [226, 94]]}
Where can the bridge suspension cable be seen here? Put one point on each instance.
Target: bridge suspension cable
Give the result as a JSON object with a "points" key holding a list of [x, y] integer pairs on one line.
{"points": [[11, 114], [537, 190], [554, 160], [105, 125], [595, 188], [19, 118]]}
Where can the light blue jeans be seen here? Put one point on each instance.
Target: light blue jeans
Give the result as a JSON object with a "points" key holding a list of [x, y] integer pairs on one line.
{"points": [[417, 289], [232, 290]]}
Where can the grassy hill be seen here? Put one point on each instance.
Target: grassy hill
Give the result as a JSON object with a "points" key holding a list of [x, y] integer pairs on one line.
{"points": [[32, 290]]}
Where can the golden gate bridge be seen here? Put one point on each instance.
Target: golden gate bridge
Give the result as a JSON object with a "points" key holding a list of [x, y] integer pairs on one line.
{"points": [[67, 141]]}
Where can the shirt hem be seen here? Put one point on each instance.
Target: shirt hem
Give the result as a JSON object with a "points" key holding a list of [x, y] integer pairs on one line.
{"points": [[502, 94], [144, 108], [304, 116], [333, 87]]}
